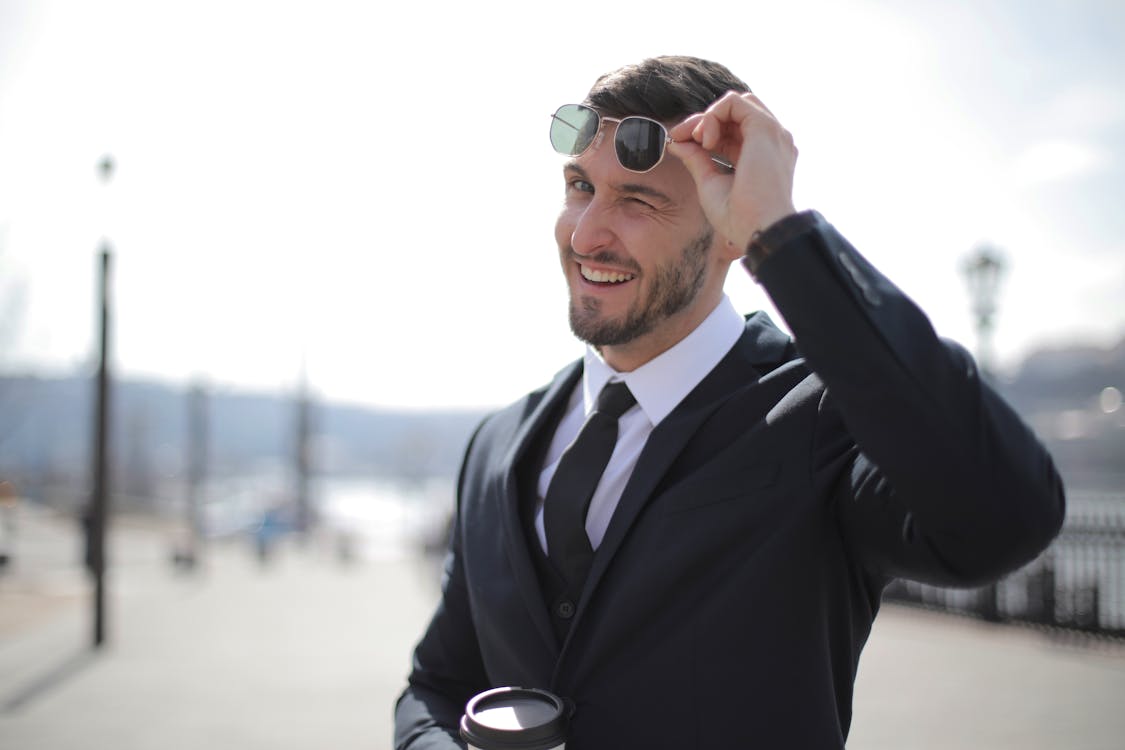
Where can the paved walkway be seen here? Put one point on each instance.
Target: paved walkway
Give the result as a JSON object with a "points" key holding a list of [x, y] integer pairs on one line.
{"points": [[309, 652]]}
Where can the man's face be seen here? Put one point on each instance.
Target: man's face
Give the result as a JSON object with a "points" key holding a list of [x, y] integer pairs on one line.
{"points": [[635, 250]]}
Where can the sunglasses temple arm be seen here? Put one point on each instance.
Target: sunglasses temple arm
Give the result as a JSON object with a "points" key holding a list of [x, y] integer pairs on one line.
{"points": [[723, 164]]}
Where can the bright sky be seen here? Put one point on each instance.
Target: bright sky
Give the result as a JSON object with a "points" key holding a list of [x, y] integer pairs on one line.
{"points": [[368, 187]]}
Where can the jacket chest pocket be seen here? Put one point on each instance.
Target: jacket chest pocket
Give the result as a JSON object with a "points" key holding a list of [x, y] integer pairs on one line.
{"points": [[720, 486]]}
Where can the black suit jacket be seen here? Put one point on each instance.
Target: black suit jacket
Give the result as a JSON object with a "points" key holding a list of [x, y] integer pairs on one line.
{"points": [[740, 574]]}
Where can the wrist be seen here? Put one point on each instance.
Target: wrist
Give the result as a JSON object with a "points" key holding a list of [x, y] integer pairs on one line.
{"points": [[765, 242]]}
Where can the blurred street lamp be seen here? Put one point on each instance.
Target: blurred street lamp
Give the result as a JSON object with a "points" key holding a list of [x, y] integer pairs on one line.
{"points": [[187, 554], [96, 517], [303, 511], [983, 271]]}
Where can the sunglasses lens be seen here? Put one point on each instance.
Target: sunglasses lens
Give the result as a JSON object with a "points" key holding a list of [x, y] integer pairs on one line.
{"points": [[573, 128], [639, 143]]}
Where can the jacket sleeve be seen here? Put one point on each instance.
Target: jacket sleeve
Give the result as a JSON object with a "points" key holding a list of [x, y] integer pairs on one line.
{"points": [[447, 667], [931, 474]]}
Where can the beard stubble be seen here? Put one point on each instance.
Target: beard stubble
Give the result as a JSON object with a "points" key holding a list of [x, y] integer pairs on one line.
{"points": [[673, 287]]}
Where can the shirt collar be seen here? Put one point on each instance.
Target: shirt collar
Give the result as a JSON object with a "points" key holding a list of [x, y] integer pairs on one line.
{"points": [[664, 381]]}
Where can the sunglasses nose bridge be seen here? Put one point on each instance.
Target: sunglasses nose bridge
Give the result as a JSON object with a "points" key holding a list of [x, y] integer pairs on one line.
{"points": [[598, 138]]}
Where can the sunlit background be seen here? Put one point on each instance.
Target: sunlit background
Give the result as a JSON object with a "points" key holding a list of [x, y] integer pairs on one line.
{"points": [[331, 231], [368, 187]]}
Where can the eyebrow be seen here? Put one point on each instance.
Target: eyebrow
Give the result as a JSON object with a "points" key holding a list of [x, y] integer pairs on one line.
{"points": [[631, 188]]}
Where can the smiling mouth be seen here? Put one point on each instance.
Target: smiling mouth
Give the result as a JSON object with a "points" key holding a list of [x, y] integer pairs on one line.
{"points": [[605, 277]]}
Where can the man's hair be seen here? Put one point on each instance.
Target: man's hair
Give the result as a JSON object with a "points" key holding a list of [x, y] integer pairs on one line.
{"points": [[667, 88]]}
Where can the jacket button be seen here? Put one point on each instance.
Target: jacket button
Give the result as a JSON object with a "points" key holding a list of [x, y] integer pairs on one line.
{"points": [[565, 609]]}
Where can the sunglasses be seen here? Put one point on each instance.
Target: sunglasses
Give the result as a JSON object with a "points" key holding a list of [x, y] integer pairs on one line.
{"points": [[639, 141]]}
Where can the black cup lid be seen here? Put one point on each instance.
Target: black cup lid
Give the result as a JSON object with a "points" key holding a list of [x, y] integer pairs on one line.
{"points": [[516, 718]]}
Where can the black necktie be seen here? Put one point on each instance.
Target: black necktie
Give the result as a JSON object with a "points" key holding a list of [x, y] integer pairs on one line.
{"points": [[576, 478]]}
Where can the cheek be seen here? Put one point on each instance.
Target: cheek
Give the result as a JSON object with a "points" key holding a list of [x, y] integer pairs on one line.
{"points": [[564, 227]]}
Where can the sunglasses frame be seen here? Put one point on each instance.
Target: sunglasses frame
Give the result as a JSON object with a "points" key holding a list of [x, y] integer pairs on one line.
{"points": [[722, 163], [599, 134]]}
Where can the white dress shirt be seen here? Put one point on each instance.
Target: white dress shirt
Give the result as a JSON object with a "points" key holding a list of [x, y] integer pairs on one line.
{"points": [[659, 386]]}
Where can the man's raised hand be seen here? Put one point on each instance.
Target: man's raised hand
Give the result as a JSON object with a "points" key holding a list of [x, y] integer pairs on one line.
{"points": [[740, 129]]}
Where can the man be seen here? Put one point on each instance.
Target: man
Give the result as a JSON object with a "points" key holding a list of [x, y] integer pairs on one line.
{"points": [[757, 499]]}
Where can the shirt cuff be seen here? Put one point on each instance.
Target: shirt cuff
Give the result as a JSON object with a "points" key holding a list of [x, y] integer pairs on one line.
{"points": [[765, 243]]}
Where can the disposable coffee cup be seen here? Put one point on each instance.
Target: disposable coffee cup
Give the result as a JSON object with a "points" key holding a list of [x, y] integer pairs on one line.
{"points": [[514, 718]]}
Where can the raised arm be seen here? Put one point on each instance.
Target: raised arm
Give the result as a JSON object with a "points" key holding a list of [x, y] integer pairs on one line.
{"points": [[933, 476]]}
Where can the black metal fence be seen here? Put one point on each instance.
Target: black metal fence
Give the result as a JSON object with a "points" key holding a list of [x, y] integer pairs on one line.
{"points": [[1077, 584]]}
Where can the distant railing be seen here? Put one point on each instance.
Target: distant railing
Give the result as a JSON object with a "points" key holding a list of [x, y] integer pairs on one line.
{"points": [[1077, 584]]}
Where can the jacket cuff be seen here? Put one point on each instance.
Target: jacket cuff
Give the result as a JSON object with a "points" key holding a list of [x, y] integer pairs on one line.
{"points": [[766, 242]]}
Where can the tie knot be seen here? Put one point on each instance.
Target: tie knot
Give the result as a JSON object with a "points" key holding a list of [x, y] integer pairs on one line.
{"points": [[615, 399]]}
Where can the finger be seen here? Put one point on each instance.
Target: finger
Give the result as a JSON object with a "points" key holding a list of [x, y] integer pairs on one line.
{"points": [[699, 130], [706, 128], [682, 131], [731, 107], [695, 158], [738, 108], [709, 132]]}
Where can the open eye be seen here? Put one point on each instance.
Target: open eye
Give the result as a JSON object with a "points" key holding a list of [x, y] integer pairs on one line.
{"points": [[580, 185]]}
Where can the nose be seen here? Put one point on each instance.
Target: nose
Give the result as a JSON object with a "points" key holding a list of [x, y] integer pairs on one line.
{"points": [[592, 230]]}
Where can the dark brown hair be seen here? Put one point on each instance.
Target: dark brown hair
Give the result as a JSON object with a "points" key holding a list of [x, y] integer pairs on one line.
{"points": [[667, 88]]}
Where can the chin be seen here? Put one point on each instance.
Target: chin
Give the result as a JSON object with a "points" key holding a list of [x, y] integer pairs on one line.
{"points": [[599, 331]]}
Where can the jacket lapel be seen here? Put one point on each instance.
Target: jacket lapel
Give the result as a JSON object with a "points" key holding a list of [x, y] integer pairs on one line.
{"points": [[515, 536], [761, 347]]}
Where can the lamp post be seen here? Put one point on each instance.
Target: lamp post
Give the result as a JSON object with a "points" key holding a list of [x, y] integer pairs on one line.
{"points": [[304, 514], [197, 449], [98, 512], [983, 270]]}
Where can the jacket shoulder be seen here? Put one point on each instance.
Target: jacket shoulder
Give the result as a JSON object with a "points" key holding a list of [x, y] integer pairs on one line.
{"points": [[503, 425]]}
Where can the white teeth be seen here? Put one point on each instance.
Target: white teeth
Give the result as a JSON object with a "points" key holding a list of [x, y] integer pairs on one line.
{"points": [[605, 276]]}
